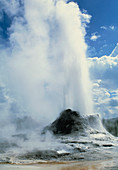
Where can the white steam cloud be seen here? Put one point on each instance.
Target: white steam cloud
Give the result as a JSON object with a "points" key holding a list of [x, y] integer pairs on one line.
{"points": [[45, 68]]}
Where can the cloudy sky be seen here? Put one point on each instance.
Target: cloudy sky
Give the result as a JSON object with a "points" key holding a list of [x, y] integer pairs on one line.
{"points": [[101, 38]]}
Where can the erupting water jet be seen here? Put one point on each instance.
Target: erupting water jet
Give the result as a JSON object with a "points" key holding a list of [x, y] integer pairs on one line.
{"points": [[45, 65]]}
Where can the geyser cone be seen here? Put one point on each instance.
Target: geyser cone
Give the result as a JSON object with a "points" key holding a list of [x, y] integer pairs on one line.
{"points": [[72, 123], [45, 67]]}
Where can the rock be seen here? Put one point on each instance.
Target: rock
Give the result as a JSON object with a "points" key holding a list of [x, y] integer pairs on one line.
{"points": [[40, 154], [68, 122], [107, 145], [72, 122], [43, 155]]}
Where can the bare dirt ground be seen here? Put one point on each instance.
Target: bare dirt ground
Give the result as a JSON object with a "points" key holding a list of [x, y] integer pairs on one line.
{"points": [[83, 165]]}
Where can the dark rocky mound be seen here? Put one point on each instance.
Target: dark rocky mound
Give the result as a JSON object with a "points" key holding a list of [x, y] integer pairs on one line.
{"points": [[111, 125], [67, 123]]}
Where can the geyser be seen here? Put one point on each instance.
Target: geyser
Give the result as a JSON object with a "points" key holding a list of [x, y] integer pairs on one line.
{"points": [[43, 71], [44, 66]]}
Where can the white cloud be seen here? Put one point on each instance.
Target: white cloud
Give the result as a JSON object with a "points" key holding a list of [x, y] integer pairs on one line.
{"points": [[111, 27], [94, 36], [104, 102], [103, 27], [104, 74], [86, 17], [106, 69], [10, 7]]}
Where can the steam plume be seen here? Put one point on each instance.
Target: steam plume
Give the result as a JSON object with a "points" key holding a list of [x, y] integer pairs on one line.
{"points": [[45, 67]]}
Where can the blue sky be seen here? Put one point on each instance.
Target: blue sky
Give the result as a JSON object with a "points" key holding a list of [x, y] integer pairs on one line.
{"points": [[104, 24]]}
